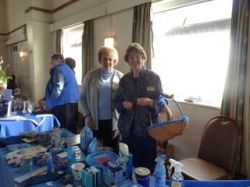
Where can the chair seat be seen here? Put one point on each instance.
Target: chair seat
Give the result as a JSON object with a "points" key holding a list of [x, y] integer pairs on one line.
{"points": [[202, 170]]}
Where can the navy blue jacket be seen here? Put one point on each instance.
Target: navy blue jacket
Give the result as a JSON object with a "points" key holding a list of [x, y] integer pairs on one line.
{"points": [[140, 117]]}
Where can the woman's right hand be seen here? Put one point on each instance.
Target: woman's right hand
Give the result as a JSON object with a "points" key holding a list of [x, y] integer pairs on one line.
{"points": [[127, 104], [89, 121]]}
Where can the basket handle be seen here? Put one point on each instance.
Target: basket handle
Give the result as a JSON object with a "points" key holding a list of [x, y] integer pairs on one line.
{"points": [[171, 97]]}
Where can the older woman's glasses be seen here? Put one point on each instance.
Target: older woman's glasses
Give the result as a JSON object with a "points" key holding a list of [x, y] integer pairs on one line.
{"points": [[134, 57]]}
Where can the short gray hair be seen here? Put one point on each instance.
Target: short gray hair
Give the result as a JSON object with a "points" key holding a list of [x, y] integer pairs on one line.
{"points": [[58, 56], [104, 50]]}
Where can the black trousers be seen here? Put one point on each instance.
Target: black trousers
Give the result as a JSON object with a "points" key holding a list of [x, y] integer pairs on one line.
{"points": [[107, 135], [143, 150], [67, 115]]}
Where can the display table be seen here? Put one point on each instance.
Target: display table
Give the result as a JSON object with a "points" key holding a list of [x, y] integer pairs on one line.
{"points": [[8, 173], [23, 123]]}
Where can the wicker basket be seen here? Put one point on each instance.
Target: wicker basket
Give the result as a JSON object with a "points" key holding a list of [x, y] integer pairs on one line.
{"points": [[170, 128]]}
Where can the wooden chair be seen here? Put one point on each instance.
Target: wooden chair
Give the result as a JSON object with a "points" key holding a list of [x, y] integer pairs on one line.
{"points": [[218, 151]]}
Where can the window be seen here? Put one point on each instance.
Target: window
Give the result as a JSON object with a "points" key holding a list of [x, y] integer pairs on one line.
{"points": [[72, 47], [191, 50]]}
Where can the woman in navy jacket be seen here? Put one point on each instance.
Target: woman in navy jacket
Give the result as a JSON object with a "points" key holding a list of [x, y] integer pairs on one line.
{"points": [[139, 106]]}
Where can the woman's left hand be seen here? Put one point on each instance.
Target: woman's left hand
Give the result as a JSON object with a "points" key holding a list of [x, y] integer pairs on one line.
{"points": [[145, 101]]}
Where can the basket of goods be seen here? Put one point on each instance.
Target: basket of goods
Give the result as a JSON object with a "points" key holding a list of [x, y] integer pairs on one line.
{"points": [[169, 127]]}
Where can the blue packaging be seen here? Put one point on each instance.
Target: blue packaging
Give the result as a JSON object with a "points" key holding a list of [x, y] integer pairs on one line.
{"points": [[91, 177], [88, 178], [142, 176], [160, 171], [86, 136], [113, 173]]}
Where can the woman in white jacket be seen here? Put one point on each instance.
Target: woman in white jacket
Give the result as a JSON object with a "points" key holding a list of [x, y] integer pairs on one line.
{"points": [[98, 95]]}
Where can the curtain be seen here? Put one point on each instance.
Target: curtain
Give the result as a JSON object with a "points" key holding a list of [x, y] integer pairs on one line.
{"points": [[236, 98], [58, 41], [87, 46], [142, 29]]}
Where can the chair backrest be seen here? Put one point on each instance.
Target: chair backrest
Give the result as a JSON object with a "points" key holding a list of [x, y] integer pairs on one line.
{"points": [[220, 143]]}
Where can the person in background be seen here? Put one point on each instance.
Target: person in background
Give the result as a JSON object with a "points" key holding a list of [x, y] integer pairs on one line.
{"points": [[12, 83], [62, 93], [139, 106], [71, 63], [99, 91]]}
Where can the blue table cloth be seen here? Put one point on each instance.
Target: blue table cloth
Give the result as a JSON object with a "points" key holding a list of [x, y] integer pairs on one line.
{"points": [[8, 173], [23, 123]]}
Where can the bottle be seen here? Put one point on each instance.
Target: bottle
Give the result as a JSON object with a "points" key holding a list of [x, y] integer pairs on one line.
{"points": [[176, 178], [160, 171], [51, 167], [71, 155], [129, 166]]}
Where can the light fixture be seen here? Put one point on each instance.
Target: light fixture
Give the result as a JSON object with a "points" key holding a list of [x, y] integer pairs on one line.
{"points": [[22, 54], [109, 41]]}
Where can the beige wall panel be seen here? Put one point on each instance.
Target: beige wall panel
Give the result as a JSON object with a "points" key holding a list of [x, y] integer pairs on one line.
{"points": [[3, 25], [16, 15], [122, 30], [113, 26], [40, 44], [75, 8], [41, 16], [47, 4]]}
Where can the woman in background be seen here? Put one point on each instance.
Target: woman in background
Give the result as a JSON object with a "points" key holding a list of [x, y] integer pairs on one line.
{"points": [[99, 91], [12, 83], [71, 63], [139, 106]]}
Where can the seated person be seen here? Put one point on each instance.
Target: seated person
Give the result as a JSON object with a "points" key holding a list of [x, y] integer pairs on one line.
{"points": [[12, 83]]}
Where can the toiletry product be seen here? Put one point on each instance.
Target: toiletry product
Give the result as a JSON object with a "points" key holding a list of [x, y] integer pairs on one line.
{"points": [[176, 178], [129, 166], [51, 167], [160, 171]]}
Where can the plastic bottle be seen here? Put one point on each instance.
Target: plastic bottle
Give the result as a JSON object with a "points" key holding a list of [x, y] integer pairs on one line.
{"points": [[129, 166], [160, 171], [177, 178], [71, 156], [51, 167], [126, 160]]}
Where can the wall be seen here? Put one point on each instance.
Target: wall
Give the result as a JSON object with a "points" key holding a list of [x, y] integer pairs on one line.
{"points": [[16, 13], [40, 50], [112, 26], [3, 20], [29, 33], [3, 29]]}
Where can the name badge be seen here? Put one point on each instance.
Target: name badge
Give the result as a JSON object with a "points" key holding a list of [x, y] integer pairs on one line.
{"points": [[150, 88]]}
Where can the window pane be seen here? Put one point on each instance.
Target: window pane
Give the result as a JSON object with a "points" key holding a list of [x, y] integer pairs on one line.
{"points": [[72, 47], [192, 61]]}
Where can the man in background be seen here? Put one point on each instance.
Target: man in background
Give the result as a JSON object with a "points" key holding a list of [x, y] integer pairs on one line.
{"points": [[62, 93]]}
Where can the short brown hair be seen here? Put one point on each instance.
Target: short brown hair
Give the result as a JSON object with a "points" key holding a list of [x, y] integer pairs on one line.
{"points": [[135, 47], [104, 50], [70, 62]]}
